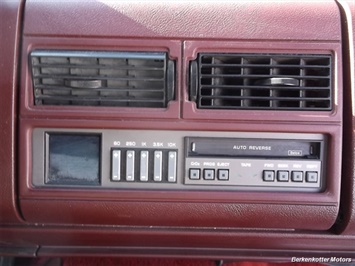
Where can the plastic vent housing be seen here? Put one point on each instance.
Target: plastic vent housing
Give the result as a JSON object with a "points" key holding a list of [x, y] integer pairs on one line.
{"points": [[261, 81], [84, 78]]}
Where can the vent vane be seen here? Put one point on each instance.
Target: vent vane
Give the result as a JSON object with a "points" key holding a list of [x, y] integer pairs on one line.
{"points": [[261, 81], [81, 78]]}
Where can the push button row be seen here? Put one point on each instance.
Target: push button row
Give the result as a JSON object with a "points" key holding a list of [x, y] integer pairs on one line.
{"points": [[208, 174], [284, 176], [143, 165]]}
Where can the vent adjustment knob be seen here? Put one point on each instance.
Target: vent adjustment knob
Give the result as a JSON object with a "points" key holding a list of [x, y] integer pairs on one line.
{"points": [[278, 82]]}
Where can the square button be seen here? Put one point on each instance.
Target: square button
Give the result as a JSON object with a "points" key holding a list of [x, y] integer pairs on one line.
{"points": [[194, 174], [282, 176], [208, 174], [268, 175], [223, 174], [297, 176], [312, 177]]}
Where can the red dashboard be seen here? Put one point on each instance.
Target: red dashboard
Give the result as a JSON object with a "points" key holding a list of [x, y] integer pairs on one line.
{"points": [[192, 129]]}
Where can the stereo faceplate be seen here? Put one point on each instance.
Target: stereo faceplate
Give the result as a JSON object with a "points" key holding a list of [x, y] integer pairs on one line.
{"points": [[148, 159], [253, 173]]}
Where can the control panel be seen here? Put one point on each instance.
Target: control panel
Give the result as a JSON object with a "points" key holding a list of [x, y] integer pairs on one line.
{"points": [[246, 162], [143, 165], [251, 172], [178, 160]]}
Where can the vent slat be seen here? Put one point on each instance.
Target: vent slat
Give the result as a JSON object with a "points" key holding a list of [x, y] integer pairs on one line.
{"points": [[88, 78], [204, 65], [74, 77], [113, 67], [264, 98], [94, 99], [102, 89], [288, 108], [256, 76], [262, 81], [235, 87]]}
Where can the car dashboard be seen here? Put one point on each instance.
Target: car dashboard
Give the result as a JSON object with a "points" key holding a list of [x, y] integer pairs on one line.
{"points": [[216, 129]]}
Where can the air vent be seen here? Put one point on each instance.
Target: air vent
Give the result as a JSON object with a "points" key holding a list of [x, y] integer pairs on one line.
{"points": [[261, 81], [126, 79]]}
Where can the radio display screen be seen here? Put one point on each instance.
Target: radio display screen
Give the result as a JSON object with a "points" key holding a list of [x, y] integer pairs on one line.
{"points": [[73, 159]]}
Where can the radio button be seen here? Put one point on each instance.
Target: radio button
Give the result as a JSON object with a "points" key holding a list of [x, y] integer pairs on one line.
{"points": [[223, 174], [297, 176], [144, 166], [116, 165], [172, 166], [208, 174], [130, 165], [268, 175], [282, 176], [158, 165], [194, 174], [312, 177]]}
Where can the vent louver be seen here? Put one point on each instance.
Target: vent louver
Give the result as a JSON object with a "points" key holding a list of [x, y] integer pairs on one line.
{"points": [[261, 81], [126, 79]]}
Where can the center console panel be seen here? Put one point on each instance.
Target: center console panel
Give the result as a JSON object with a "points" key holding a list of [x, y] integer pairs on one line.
{"points": [[122, 193], [181, 160], [247, 136]]}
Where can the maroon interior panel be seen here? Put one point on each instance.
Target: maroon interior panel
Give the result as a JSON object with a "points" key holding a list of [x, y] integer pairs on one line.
{"points": [[321, 206], [9, 50], [351, 194], [130, 205], [328, 123], [256, 20], [192, 238], [135, 222], [180, 214], [348, 183]]}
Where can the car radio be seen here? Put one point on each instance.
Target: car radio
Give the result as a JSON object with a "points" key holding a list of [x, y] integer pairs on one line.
{"points": [[148, 159], [248, 162]]}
